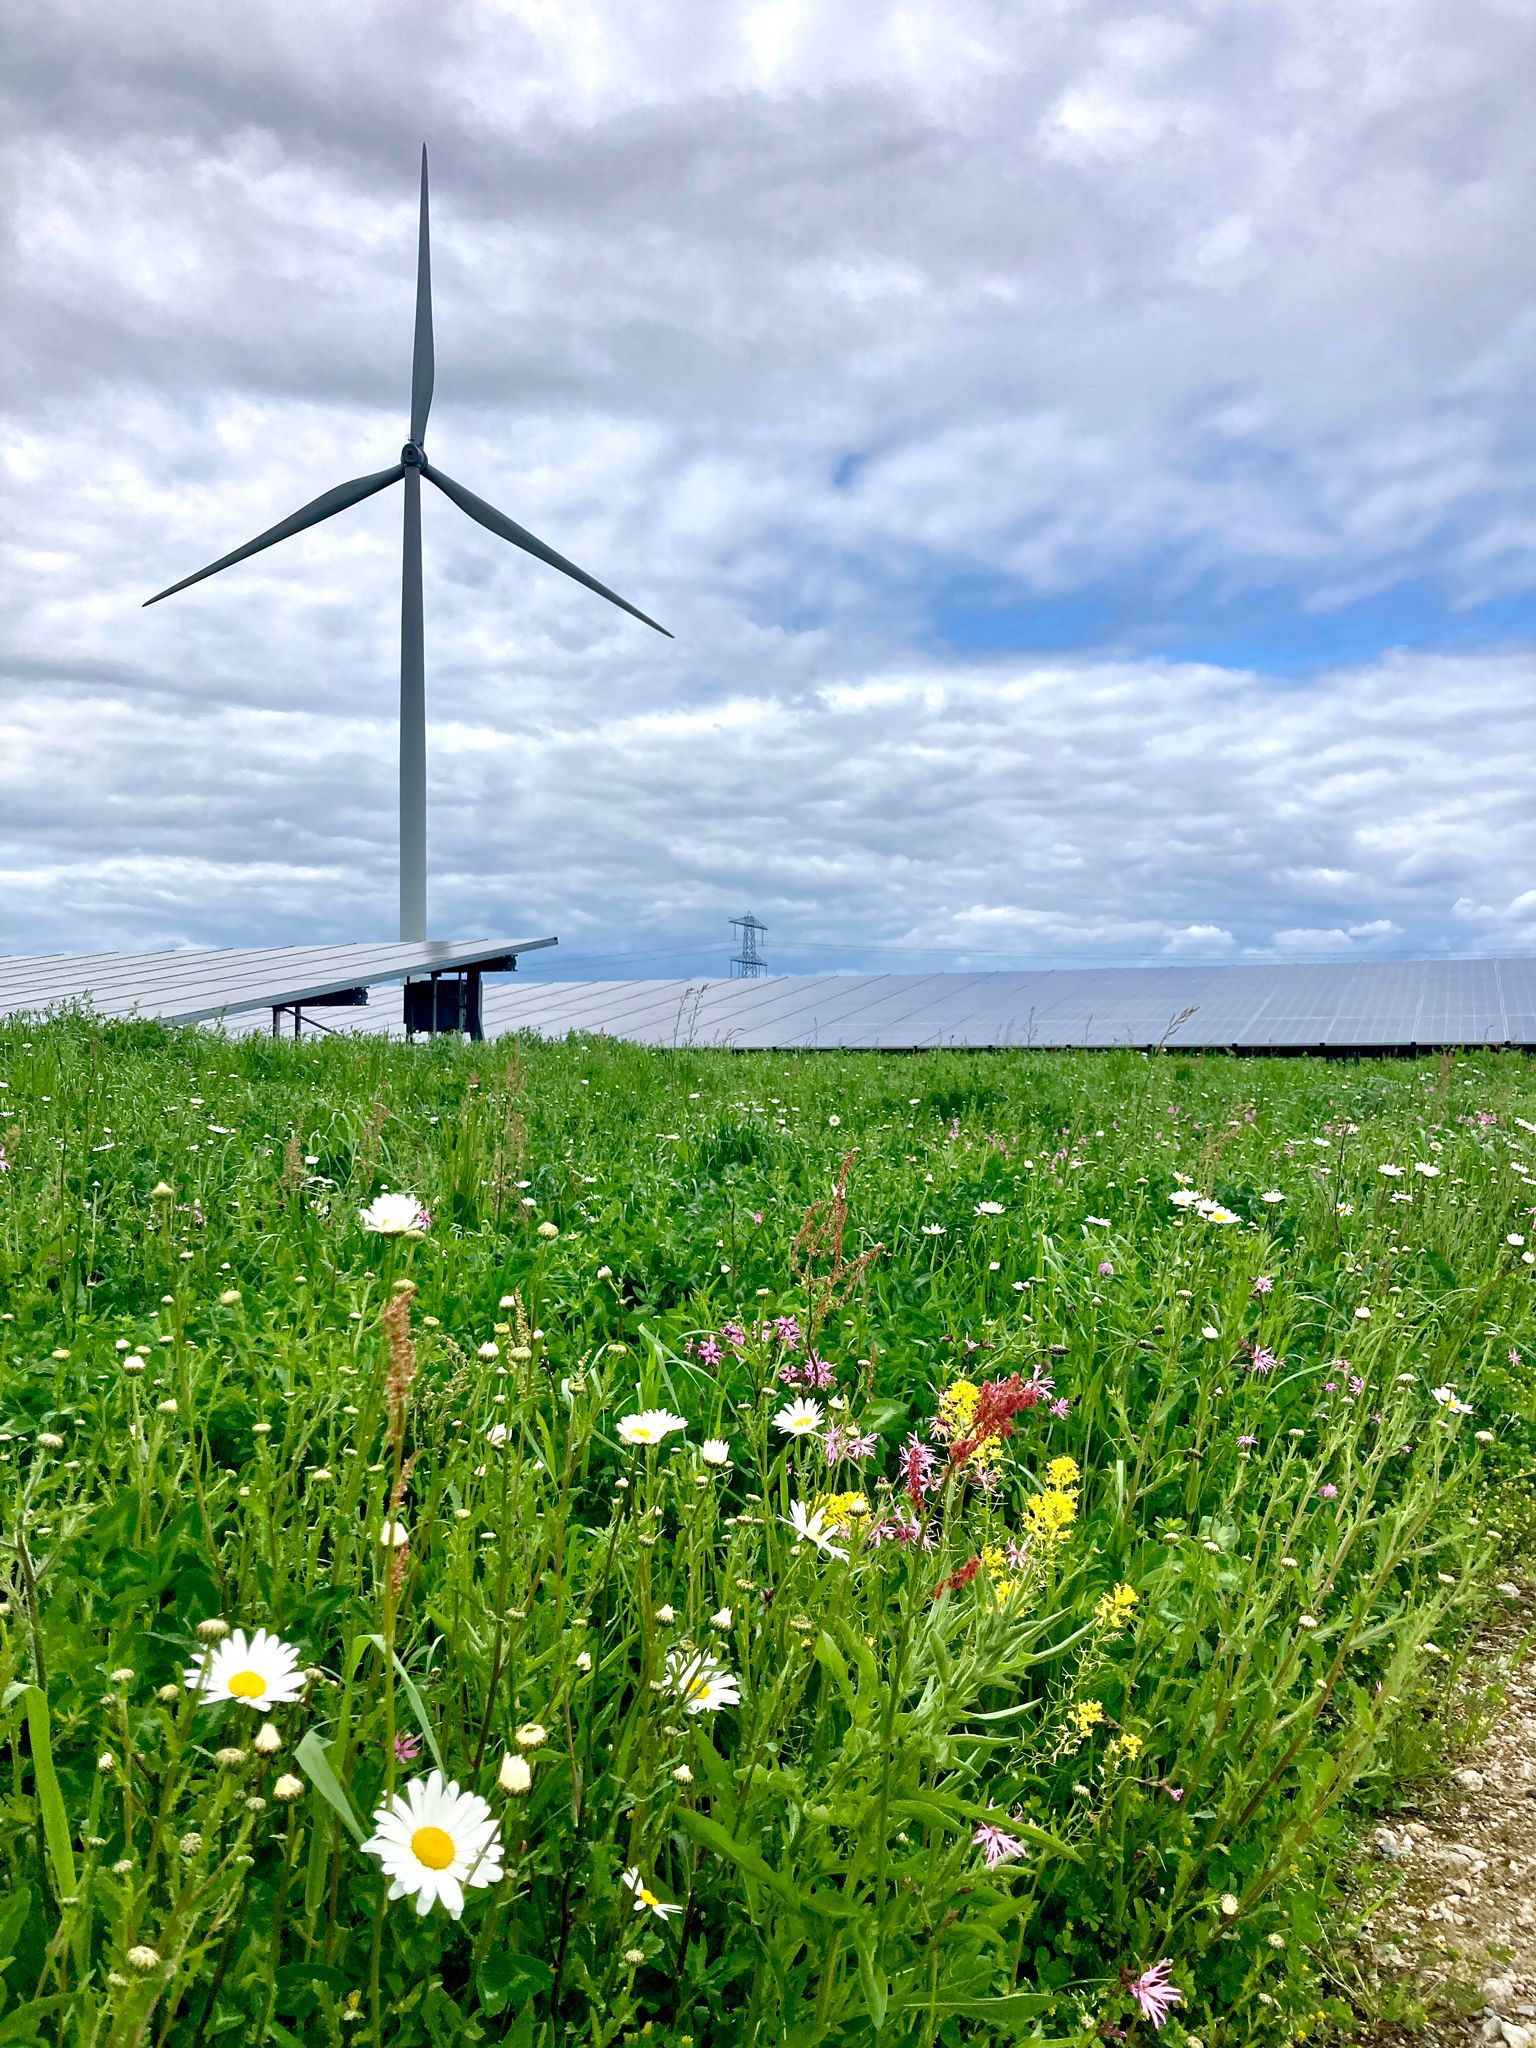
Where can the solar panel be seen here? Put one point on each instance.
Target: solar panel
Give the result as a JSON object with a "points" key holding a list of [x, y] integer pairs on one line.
{"points": [[1253, 1006]]}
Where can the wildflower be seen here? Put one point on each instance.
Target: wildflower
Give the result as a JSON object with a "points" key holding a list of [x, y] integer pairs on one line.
{"points": [[143, 1958], [1263, 1284], [1116, 1609], [666, 1614], [998, 1846], [722, 1619], [1048, 1516], [650, 1426], [515, 1775], [1155, 1992], [548, 1229], [106, 1763], [809, 1525], [433, 1840], [842, 1510], [1262, 1360], [682, 1775], [1123, 1749], [532, 1735], [634, 1957], [229, 1759], [1185, 1198], [584, 1660], [288, 1788], [1274, 1195], [394, 1535], [708, 1352], [261, 1671], [798, 1418], [267, 1741], [1392, 1172], [989, 1208], [1085, 1716], [843, 1440], [395, 1216], [1063, 1472], [1328, 1491], [1446, 1397], [990, 1419], [1515, 1239], [168, 1405], [703, 1685], [1210, 1333], [48, 1440], [407, 1747], [957, 1581], [134, 1363], [1229, 1904], [1217, 1214], [933, 1230], [918, 1467], [1307, 1620], [646, 1900], [1429, 1172], [1105, 1270]]}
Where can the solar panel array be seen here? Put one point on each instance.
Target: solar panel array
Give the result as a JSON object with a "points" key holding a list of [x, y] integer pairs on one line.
{"points": [[1339, 1007], [1344, 1006], [200, 986]]}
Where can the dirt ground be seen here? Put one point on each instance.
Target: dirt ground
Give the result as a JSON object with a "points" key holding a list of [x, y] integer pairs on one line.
{"points": [[1458, 1935]]}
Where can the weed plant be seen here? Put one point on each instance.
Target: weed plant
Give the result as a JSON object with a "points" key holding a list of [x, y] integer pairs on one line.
{"points": [[752, 1549]]}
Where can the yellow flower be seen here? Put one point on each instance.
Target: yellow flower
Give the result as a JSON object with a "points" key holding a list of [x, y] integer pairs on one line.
{"points": [[1049, 1516], [1123, 1749], [1116, 1610], [1064, 1474], [957, 1412], [841, 1510], [1005, 1581], [1085, 1716]]}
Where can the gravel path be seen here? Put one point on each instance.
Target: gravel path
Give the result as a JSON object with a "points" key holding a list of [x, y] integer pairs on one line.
{"points": [[1460, 1933]]}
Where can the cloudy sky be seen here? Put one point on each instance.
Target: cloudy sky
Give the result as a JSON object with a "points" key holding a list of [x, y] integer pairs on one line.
{"points": [[1086, 454]]}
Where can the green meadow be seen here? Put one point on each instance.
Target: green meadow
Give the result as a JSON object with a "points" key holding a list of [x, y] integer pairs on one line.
{"points": [[752, 1549]]}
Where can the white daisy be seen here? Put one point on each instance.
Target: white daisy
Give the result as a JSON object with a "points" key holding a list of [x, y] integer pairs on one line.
{"points": [[433, 1840], [650, 1426], [646, 1900], [1185, 1198], [809, 1525], [933, 1230], [798, 1418], [395, 1216], [1447, 1398], [1216, 1214], [715, 1451], [989, 1208], [703, 1685], [260, 1672], [1274, 1195], [1429, 1172]]}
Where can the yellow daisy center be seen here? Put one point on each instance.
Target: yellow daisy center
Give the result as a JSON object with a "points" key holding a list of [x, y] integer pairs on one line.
{"points": [[247, 1685], [432, 1846], [640, 1434], [698, 1688], [648, 1898]]}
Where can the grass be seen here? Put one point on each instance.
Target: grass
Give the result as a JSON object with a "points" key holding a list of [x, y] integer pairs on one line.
{"points": [[1031, 1711]]}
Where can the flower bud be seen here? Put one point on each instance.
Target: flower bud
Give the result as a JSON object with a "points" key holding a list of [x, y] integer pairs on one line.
{"points": [[144, 1959], [267, 1741], [532, 1735], [514, 1776], [213, 1630], [288, 1788]]}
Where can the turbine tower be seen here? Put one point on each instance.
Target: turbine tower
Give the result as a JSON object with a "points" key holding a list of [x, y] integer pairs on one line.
{"points": [[411, 468]]}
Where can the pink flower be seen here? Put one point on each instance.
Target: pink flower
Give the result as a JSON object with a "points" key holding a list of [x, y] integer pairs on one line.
{"points": [[917, 1469], [708, 1351], [1328, 1492], [407, 1748], [787, 1330], [1106, 1270], [1156, 1993], [1261, 1359], [999, 1846], [1263, 1284], [734, 1335]]}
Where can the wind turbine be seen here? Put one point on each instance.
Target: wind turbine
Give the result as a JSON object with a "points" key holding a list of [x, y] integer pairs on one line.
{"points": [[411, 468]]}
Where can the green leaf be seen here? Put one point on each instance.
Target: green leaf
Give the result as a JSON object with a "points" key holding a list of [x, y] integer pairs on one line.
{"points": [[23, 2023], [13, 1917], [713, 1836], [872, 1979], [313, 1761], [830, 1658], [61, 1855], [505, 1976]]}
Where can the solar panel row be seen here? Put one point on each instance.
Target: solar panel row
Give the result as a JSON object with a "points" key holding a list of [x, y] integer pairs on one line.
{"points": [[1343, 1006]]}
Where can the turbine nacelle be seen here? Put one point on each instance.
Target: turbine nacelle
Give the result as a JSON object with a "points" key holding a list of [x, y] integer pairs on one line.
{"points": [[412, 457]]}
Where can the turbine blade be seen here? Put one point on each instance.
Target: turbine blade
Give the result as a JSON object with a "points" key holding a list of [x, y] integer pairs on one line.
{"points": [[520, 537], [336, 500], [422, 361]]}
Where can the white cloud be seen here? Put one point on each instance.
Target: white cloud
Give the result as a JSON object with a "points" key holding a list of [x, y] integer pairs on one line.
{"points": [[798, 324]]}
